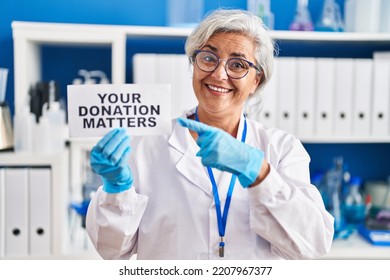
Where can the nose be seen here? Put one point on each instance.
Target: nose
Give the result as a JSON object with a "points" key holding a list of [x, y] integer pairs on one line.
{"points": [[220, 72]]}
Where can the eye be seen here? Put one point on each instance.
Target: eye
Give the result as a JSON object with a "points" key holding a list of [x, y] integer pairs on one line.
{"points": [[237, 65], [209, 58]]}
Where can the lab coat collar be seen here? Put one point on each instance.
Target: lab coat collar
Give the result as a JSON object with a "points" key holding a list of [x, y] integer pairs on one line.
{"points": [[189, 165]]}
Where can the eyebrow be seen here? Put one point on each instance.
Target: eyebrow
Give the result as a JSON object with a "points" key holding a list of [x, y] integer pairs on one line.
{"points": [[214, 49]]}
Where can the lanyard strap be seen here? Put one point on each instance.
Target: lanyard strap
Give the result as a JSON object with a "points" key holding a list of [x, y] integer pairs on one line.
{"points": [[222, 218]]}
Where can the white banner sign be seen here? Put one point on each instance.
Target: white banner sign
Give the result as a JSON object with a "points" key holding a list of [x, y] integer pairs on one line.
{"points": [[144, 109]]}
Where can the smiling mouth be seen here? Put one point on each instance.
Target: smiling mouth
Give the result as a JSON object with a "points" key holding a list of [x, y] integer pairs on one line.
{"points": [[218, 89]]}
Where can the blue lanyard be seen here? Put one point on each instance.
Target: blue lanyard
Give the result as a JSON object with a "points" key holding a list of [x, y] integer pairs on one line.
{"points": [[222, 219]]}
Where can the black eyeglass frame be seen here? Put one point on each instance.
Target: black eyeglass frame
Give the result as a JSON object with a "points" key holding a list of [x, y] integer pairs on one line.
{"points": [[251, 64]]}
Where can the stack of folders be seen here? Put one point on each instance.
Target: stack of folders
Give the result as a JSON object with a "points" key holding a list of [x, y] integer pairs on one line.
{"points": [[329, 98], [25, 212], [313, 98]]}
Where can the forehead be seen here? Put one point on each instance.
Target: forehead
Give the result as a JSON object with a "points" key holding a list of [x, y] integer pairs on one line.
{"points": [[230, 43]]}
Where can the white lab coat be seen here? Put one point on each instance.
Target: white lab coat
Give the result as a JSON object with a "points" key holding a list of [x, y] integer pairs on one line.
{"points": [[169, 212]]}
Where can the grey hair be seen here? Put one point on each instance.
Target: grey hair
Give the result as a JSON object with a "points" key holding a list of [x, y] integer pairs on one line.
{"points": [[236, 21]]}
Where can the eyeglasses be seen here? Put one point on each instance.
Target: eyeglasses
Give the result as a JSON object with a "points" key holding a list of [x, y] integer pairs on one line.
{"points": [[236, 68]]}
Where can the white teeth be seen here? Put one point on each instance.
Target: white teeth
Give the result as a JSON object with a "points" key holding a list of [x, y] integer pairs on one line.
{"points": [[218, 89]]}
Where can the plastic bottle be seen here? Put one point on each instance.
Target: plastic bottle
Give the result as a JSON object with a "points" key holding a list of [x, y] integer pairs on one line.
{"points": [[56, 117], [51, 125], [354, 206], [24, 127], [42, 136]]}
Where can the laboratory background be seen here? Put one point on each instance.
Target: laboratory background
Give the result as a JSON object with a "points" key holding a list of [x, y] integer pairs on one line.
{"points": [[330, 88]]}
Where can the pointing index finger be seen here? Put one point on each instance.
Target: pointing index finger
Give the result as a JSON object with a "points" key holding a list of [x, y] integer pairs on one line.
{"points": [[193, 125]]}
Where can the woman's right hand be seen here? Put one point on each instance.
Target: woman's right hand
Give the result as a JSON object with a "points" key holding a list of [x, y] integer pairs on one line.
{"points": [[109, 159]]}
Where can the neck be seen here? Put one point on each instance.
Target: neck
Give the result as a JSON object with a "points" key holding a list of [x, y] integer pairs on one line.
{"points": [[228, 122]]}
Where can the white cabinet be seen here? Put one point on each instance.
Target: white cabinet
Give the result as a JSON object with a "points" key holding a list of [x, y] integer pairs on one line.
{"points": [[30, 36], [61, 217]]}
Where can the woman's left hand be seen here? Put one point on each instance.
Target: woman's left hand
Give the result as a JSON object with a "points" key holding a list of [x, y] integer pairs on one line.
{"points": [[220, 150]]}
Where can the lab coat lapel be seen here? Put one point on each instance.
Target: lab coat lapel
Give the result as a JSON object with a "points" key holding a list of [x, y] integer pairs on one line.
{"points": [[189, 165]]}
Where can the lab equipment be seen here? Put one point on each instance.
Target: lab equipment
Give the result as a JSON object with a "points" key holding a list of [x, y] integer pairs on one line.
{"points": [[302, 20], [56, 120], [87, 79], [91, 77], [91, 182], [375, 237], [262, 8], [49, 134], [109, 159], [330, 19], [380, 193], [24, 127], [100, 75], [39, 94], [6, 129], [354, 206], [334, 182], [220, 150]]}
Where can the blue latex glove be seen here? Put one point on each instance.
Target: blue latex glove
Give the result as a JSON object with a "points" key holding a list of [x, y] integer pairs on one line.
{"points": [[109, 159], [220, 150]]}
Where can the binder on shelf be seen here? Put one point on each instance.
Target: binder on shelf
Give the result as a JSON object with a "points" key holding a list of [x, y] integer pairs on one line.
{"points": [[2, 213], [344, 87], [287, 89], [306, 83], [381, 99], [167, 73], [40, 211], [144, 67], [325, 97], [186, 93], [361, 112], [267, 100], [16, 212], [173, 69]]}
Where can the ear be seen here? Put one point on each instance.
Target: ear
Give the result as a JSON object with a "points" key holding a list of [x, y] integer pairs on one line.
{"points": [[256, 82]]}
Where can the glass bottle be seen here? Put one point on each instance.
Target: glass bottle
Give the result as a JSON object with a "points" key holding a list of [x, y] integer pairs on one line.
{"points": [[354, 206]]}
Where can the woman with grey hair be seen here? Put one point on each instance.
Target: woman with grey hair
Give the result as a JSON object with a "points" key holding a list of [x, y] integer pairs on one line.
{"points": [[220, 185]]}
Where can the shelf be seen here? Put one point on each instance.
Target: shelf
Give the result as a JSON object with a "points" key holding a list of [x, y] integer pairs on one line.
{"points": [[330, 36], [356, 247], [67, 32], [59, 164]]}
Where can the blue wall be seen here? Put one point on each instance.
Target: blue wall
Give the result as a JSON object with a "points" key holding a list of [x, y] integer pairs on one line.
{"points": [[62, 64]]}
